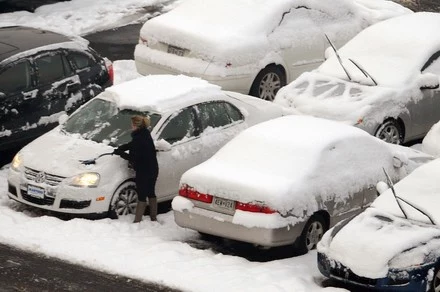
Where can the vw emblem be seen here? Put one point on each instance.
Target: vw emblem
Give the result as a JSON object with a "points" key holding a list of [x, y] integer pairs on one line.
{"points": [[40, 177]]}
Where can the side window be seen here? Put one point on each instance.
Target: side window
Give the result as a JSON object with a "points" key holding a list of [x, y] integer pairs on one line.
{"points": [[433, 65], [51, 68], [80, 60], [179, 126], [213, 115], [234, 113], [16, 78]]}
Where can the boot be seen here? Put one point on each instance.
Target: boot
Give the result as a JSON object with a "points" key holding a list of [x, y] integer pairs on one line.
{"points": [[140, 209], [152, 202]]}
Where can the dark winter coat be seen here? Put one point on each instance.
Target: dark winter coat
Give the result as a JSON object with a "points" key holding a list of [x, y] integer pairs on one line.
{"points": [[141, 153]]}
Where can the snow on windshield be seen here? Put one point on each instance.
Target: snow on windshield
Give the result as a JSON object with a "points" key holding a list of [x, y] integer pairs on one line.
{"points": [[393, 51], [292, 160]]}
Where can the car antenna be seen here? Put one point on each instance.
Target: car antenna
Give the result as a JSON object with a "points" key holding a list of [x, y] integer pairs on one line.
{"points": [[390, 183], [366, 74], [337, 55]]}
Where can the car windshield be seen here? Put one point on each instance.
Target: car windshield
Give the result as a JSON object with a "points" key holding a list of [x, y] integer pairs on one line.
{"points": [[101, 121]]}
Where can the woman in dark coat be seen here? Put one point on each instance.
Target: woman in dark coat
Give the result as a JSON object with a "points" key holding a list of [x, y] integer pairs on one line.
{"points": [[142, 156]]}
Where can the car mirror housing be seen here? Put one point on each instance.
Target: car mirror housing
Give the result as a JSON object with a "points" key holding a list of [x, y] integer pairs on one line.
{"points": [[381, 187], [428, 81], [162, 145]]}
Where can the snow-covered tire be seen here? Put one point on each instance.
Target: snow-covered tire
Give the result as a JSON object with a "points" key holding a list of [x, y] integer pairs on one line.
{"points": [[390, 131], [124, 200], [268, 82], [312, 233]]}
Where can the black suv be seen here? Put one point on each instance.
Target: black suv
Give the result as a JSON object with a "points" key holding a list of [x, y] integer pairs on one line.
{"points": [[44, 75]]}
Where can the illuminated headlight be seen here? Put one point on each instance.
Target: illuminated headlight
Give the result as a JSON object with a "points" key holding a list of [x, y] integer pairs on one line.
{"points": [[17, 162], [87, 179]]}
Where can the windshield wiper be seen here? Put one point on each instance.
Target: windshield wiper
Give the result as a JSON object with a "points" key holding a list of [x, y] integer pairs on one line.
{"points": [[338, 57], [366, 74], [390, 183]]}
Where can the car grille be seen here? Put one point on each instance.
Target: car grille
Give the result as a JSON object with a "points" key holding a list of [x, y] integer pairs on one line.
{"points": [[67, 204], [50, 179], [345, 273], [46, 201]]}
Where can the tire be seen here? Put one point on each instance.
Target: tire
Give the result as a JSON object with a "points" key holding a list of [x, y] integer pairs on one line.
{"points": [[312, 233], [435, 283], [124, 200], [268, 82], [391, 132]]}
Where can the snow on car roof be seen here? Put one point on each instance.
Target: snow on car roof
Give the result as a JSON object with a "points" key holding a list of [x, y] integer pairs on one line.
{"points": [[289, 161], [159, 93], [420, 188], [393, 51], [228, 27]]}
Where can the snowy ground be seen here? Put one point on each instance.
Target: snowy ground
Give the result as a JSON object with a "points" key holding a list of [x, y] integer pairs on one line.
{"points": [[159, 252], [80, 17]]}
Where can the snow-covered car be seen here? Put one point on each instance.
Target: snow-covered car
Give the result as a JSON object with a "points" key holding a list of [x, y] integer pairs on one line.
{"points": [[385, 80], [252, 47], [42, 76], [190, 120], [286, 181], [394, 244], [431, 142]]}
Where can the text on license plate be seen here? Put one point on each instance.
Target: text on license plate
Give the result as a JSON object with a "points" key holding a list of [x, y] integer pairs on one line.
{"points": [[224, 204], [175, 50], [35, 191]]}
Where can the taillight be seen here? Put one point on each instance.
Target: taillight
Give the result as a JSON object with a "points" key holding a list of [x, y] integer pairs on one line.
{"points": [[256, 208], [190, 193], [109, 66]]}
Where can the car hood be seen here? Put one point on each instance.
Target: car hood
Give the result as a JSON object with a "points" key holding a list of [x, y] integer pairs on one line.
{"points": [[325, 96], [60, 154], [369, 242]]}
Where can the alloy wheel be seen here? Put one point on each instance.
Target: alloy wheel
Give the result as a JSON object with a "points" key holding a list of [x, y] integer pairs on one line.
{"points": [[389, 132], [269, 86], [314, 234], [125, 202]]}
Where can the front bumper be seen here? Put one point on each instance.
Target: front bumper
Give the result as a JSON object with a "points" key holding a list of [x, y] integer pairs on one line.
{"points": [[59, 198], [416, 279], [219, 224]]}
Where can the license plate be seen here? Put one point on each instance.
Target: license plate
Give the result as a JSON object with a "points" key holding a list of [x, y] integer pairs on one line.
{"points": [[224, 204], [36, 192], [175, 50]]}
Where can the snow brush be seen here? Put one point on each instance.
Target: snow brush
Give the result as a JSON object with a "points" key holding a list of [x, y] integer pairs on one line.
{"points": [[93, 161]]}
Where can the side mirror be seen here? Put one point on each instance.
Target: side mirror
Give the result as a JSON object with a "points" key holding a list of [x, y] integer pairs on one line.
{"points": [[62, 119], [162, 145], [381, 187], [428, 81]]}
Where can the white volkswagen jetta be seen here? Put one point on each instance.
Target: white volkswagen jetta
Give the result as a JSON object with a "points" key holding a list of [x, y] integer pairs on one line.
{"points": [[252, 46], [190, 120]]}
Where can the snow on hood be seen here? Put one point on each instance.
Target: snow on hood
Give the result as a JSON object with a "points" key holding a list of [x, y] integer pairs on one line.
{"points": [[236, 29], [60, 154], [420, 188], [368, 243], [393, 51], [287, 162], [431, 142], [158, 93], [328, 97]]}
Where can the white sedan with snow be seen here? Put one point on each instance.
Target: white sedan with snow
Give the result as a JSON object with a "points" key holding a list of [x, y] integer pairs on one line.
{"points": [[385, 80], [395, 244], [287, 181], [190, 120], [255, 46]]}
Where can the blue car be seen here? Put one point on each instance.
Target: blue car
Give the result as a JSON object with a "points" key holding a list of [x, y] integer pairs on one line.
{"points": [[394, 245]]}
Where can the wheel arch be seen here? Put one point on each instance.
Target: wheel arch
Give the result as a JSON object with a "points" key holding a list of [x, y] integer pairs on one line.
{"points": [[325, 215]]}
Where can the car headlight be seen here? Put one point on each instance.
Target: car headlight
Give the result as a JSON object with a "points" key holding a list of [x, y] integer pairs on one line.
{"points": [[87, 179], [17, 161]]}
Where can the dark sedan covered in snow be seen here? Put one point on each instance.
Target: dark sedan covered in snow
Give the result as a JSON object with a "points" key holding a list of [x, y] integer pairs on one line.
{"points": [[44, 75]]}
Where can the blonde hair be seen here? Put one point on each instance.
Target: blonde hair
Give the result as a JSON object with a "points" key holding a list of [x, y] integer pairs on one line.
{"points": [[140, 122]]}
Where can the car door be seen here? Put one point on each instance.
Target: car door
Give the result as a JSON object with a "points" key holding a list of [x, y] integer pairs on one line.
{"points": [[181, 131], [19, 105], [432, 95]]}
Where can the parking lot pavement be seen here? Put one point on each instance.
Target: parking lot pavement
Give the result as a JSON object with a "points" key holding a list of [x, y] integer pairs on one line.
{"points": [[25, 271]]}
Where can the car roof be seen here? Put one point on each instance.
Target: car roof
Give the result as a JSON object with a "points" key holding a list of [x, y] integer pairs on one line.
{"points": [[160, 93], [17, 39]]}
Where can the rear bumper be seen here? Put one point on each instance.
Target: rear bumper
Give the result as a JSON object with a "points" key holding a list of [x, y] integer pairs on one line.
{"points": [[218, 224]]}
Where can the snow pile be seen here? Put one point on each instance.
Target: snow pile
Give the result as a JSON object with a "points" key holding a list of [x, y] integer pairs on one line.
{"points": [[124, 70], [158, 92], [293, 173], [431, 142], [80, 17], [158, 252]]}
